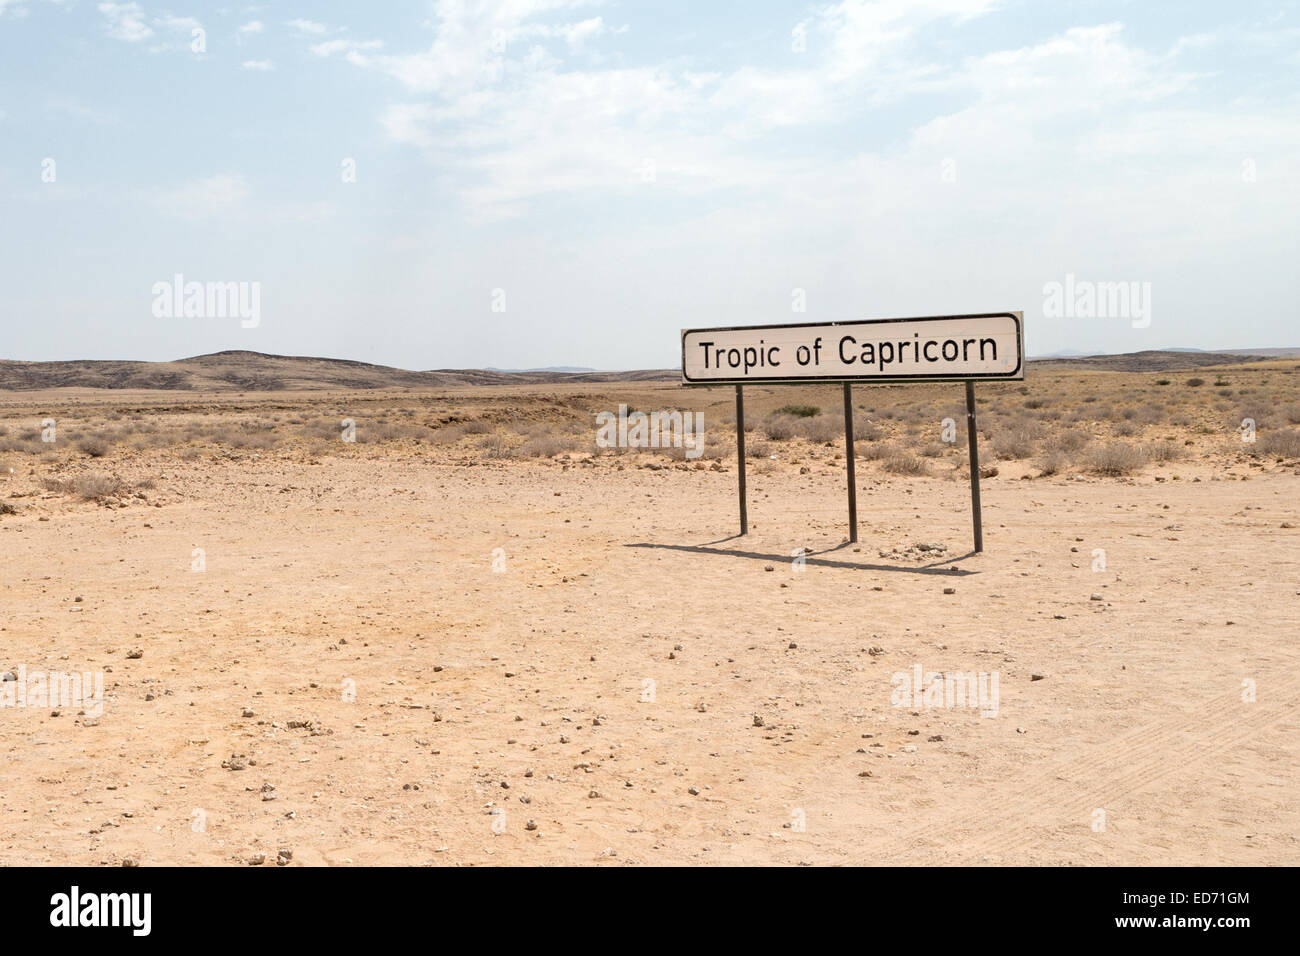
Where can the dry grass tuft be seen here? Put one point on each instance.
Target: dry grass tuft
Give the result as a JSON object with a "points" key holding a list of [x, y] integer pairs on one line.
{"points": [[91, 487], [1115, 459]]}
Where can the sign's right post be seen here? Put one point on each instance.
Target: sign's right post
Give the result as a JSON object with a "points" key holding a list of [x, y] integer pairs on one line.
{"points": [[850, 455], [972, 439]]}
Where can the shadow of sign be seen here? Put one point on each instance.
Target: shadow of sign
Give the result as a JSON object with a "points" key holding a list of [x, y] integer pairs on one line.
{"points": [[934, 568]]}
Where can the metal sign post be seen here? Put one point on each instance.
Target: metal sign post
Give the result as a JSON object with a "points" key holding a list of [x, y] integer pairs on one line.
{"points": [[740, 456], [849, 454], [973, 444], [987, 346]]}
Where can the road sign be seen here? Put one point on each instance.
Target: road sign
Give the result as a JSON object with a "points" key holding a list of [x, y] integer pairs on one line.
{"points": [[945, 348], [941, 348]]}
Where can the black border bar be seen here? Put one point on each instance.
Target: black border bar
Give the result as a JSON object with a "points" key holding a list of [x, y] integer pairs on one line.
{"points": [[1017, 375]]}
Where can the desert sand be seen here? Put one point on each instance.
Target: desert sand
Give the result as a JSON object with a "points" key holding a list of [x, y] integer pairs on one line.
{"points": [[411, 652]]}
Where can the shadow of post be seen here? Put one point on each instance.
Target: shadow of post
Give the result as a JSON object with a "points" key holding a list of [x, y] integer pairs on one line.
{"points": [[934, 568]]}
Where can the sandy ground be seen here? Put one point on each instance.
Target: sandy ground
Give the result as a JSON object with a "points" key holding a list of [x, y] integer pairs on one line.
{"points": [[491, 700]]}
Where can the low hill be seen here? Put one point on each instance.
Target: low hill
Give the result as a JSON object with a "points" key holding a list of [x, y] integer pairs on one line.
{"points": [[244, 371], [256, 371]]}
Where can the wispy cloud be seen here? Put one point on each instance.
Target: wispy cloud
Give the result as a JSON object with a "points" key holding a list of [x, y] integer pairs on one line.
{"points": [[501, 99], [308, 27], [330, 47], [125, 21]]}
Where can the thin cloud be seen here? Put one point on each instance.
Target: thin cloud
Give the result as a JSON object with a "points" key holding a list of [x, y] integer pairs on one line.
{"points": [[125, 21], [308, 27]]}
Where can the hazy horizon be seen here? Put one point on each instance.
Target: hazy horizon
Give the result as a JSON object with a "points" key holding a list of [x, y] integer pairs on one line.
{"points": [[574, 368], [555, 182]]}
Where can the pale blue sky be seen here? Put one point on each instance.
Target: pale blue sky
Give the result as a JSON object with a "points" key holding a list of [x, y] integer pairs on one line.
{"points": [[626, 169]]}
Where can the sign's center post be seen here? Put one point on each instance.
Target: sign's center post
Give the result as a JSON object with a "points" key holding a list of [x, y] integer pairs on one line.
{"points": [[740, 455], [972, 439], [850, 457]]}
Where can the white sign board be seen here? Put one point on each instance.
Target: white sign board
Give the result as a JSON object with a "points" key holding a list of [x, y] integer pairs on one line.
{"points": [[940, 348]]}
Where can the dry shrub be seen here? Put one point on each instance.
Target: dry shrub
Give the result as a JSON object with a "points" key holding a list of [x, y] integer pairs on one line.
{"points": [[324, 429], [1167, 450], [758, 449], [830, 427], [934, 449], [90, 487], [867, 431], [1115, 458], [94, 447], [546, 446], [494, 446], [1068, 441], [28, 445], [448, 435], [879, 451], [1152, 414], [1283, 444], [822, 428], [1018, 441], [905, 463], [1054, 462], [382, 432], [718, 450], [258, 441], [779, 427], [1125, 429], [477, 427]]}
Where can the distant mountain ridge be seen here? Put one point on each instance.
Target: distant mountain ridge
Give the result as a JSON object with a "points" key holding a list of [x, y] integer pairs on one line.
{"points": [[547, 368], [239, 370]]}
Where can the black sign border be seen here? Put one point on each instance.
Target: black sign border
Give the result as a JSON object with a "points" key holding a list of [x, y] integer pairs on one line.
{"points": [[1016, 375]]}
